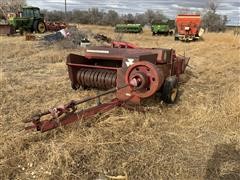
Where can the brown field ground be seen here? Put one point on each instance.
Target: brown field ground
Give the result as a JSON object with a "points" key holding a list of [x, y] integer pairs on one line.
{"points": [[197, 138]]}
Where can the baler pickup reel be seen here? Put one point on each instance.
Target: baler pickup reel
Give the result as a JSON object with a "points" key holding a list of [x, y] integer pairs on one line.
{"points": [[132, 74]]}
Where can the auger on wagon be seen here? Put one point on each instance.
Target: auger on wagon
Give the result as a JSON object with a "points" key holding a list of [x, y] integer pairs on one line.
{"points": [[132, 74]]}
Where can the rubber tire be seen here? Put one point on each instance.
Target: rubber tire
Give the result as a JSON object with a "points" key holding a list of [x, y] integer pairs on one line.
{"points": [[36, 27], [21, 31], [170, 86]]}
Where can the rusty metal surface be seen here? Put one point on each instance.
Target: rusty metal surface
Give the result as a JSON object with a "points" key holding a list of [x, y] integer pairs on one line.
{"points": [[144, 78], [133, 74], [135, 66], [47, 125], [55, 26], [96, 78], [102, 37], [30, 37], [6, 29], [91, 66], [121, 44], [108, 53], [67, 113]]}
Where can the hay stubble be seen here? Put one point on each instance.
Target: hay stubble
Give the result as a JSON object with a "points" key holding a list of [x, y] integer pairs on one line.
{"points": [[168, 142]]}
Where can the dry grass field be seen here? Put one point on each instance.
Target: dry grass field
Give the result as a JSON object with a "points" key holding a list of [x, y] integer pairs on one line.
{"points": [[197, 138]]}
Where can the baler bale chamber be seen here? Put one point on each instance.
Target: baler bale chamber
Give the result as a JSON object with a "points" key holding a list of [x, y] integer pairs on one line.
{"points": [[143, 71]]}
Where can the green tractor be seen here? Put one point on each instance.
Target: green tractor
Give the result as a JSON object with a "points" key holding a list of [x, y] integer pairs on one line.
{"points": [[128, 28], [161, 28], [28, 19]]}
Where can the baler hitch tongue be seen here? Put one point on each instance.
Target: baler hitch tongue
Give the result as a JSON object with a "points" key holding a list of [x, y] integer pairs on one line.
{"points": [[66, 114]]}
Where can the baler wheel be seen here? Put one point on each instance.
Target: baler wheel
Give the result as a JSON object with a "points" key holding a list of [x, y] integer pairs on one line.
{"points": [[170, 90], [174, 93]]}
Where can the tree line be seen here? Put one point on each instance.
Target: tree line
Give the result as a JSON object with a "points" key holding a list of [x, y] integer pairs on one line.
{"points": [[211, 21], [100, 17]]}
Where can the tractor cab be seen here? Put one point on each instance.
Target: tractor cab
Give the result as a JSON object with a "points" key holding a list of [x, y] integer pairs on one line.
{"points": [[30, 12]]}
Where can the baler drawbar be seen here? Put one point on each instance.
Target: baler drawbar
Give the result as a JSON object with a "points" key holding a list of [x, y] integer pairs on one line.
{"points": [[66, 114]]}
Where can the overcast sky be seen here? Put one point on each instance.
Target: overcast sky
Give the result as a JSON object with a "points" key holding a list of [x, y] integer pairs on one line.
{"points": [[231, 8]]}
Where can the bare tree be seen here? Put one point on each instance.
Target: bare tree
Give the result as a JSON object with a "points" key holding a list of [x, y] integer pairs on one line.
{"points": [[111, 18], [11, 5], [152, 16], [212, 5], [212, 21]]}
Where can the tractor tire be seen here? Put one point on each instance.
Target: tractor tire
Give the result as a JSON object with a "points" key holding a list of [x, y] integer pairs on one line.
{"points": [[170, 90], [39, 26], [21, 31]]}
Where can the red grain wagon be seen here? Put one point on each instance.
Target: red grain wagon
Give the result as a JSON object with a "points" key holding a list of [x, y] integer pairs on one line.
{"points": [[188, 27]]}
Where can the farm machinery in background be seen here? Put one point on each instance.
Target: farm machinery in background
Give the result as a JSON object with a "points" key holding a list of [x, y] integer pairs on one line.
{"points": [[128, 28], [161, 28], [55, 26], [188, 27], [114, 43], [122, 44], [28, 19], [132, 74]]}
